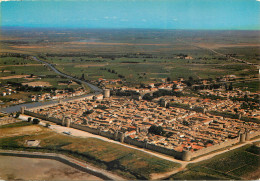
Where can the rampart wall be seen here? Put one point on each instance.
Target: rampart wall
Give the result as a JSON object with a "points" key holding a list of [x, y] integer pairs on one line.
{"points": [[107, 134], [85, 128], [215, 147], [130, 141], [252, 134]]}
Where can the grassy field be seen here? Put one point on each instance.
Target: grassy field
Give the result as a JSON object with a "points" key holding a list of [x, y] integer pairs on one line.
{"points": [[241, 163], [127, 162], [14, 66], [252, 86], [140, 70], [14, 125]]}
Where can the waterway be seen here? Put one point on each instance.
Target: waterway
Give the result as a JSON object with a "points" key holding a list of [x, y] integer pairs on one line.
{"points": [[17, 108]]}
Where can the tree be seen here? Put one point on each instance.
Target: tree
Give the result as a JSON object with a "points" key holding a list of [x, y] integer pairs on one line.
{"points": [[174, 86], [158, 130], [231, 86], [147, 97], [185, 123], [47, 125], [82, 77], [87, 112], [29, 119], [17, 115], [36, 121]]}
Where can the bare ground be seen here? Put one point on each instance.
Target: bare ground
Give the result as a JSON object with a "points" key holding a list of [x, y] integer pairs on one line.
{"points": [[14, 77], [38, 83], [17, 168], [16, 131]]}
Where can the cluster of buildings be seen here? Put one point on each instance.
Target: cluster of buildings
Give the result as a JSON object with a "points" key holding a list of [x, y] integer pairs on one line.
{"points": [[232, 102], [183, 129], [7, 91], [57, 94]]}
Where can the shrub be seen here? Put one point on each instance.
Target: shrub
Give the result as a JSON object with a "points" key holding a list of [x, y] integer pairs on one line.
{"points": [[29, 119], [17, 115], [36, 121]]}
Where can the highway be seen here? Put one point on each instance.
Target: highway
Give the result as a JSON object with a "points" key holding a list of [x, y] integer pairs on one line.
{"points": [[17, 108]]}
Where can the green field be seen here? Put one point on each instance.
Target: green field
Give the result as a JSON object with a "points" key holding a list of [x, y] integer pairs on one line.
{"points": [[130, 163], [253, 86], [18, 124], [138, 70], [241, 163]]}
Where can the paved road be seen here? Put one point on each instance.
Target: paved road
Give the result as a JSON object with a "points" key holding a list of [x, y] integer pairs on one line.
{"points": [[17, 108]]}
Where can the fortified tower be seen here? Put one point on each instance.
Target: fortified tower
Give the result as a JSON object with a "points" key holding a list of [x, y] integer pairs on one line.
{"points": [[22, 110], [163, 103], [68, 121], [186, 155], [247, 135], [121, 137], [116, 135], [106, 93], [242, 137], [63, 121]]}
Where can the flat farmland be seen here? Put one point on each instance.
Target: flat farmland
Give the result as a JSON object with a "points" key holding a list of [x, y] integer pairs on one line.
{"points": [[142, 70], [138, 55]]}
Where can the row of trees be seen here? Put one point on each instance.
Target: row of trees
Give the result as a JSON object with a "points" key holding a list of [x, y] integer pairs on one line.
{"points": [[34, 121]]}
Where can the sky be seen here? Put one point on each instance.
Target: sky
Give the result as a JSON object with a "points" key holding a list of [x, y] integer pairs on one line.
{"points": [[151, 14]]}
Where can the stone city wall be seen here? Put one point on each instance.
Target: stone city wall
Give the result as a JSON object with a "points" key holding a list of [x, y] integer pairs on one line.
{"points": [[167, 151], [153, 147], [130, 141], [45, 117], [252, 134], [107, 134], [215, 147], [85, 128]]}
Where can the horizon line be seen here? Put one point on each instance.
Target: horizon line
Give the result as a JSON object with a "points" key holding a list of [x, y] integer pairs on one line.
{"points": [[128, 28]]}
